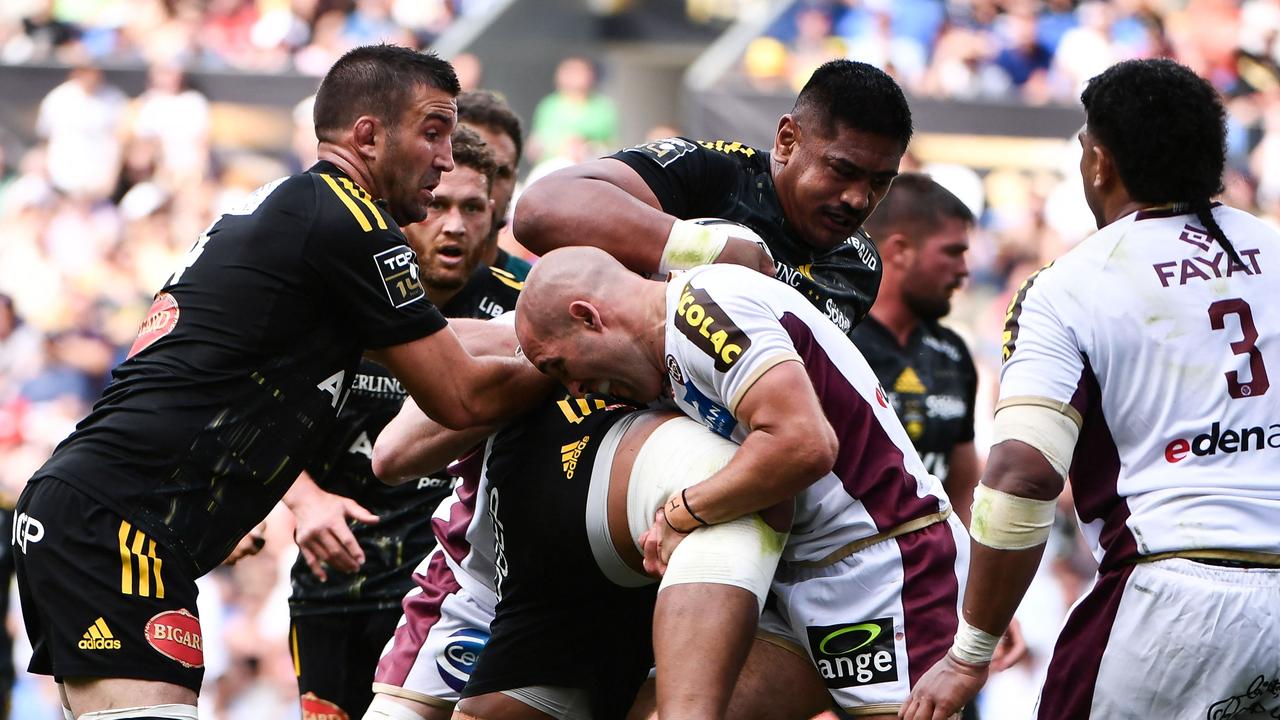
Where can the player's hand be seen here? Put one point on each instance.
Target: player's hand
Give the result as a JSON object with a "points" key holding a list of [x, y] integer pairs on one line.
{"points": [[323, 535], [250, 544], [944, 690], [657, 543], [740, 251], [1012, 648]]}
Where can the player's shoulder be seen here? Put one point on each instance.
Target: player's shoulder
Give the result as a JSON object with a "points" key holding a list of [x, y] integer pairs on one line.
{"points": [[505, 279], [343, 207], [667, 152]]}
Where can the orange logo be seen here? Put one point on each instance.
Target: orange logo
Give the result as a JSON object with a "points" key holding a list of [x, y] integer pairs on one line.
{"points": [[175, 634], [162, 318], [316, 708]]}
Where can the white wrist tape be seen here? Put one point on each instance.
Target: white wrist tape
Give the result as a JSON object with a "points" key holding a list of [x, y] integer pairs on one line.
{"points": [[1042, 424], [973, 645], [1008, 522], [150, 712], [690, 245]]}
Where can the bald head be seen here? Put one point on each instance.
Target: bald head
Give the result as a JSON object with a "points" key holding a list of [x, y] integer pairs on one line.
{"points": [[583, 318], [561, 278]]}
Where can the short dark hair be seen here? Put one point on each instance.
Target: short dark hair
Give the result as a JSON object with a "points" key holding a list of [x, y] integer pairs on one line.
{"points": [[489, 109], [856, 95], [470, 151], [377, 80], [916, 205], [1164, 126]]}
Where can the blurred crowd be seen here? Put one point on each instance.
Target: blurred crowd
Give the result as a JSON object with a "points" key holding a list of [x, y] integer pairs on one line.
{"points": [[102, 209], [270, 36]]}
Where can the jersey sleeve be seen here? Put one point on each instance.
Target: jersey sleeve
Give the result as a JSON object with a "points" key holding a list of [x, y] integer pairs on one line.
{"points": [[681, 173], [1043, 357], [735, 335], [362, 259]]}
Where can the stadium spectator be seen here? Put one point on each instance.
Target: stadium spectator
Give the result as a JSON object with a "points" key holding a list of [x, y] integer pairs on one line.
{"points": [[81, 122], [574, 112]]}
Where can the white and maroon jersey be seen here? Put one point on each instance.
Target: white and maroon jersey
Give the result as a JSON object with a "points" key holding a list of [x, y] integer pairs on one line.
{"points": [[726, 326], [1162, 344], [463, 529]]}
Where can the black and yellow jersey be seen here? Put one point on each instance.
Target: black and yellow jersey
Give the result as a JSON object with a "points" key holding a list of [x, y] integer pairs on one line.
{"points": [[730, 180], [394, 545], [245, 361]]}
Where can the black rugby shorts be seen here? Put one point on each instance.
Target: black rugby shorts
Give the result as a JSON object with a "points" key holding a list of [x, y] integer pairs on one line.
{"points": [[100, 597]]}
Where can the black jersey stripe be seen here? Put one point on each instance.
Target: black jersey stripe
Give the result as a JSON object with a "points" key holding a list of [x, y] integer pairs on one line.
{"points": [[1014, 312]]}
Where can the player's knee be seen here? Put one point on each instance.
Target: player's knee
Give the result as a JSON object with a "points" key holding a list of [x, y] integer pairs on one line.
{"points": [[148, 712], [743, 553]]}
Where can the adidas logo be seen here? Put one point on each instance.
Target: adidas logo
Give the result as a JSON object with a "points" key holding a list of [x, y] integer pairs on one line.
{"points": [[908, 383], [569, 455], [98, 637]]}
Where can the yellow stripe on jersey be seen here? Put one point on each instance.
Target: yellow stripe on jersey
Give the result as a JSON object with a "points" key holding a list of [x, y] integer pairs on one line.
{"points": [[583, 409], [293, 650], [346, 200], [358, 193], [506, 278], [149, 564], [1010, 336]]}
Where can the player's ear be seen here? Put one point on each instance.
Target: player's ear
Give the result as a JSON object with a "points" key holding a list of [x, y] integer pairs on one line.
{"points": [[784, 142], [1104, 167], [365, 134], [586, 314], [899, 250]]}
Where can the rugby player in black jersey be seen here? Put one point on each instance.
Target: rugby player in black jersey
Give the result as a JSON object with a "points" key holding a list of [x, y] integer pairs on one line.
{"points": [[833, 158], [239, 371], [922, 233], [496, 123], [349, 579]]}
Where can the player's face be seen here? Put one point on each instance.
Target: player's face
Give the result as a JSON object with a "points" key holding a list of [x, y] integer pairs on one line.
{"points": [[450, 242], [828, 186], [595, 362], [939, 268], [418, 151], [504, 182]]}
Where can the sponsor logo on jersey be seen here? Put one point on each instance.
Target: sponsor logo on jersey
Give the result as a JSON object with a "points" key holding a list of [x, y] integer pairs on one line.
{"points": [[98, 637], [880, 397], [381, 386], [664, 152], [399, 270], [175, 634], [162, 318], [458, 658], [837, 316], [705, 323], [945, 407], [728, 147], [712, 414], [673, 369], [942, 346], [1014, 313], [569, 455], [1227, 442], [909, 382], [855, 654], [26, 529], [317, 708]]}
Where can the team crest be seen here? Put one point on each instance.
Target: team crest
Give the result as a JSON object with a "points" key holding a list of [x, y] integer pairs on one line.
{"points": [[673, 369], [664, 152]]}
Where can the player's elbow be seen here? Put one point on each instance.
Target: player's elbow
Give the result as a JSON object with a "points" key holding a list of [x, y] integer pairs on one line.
{"points": [[814, 450], [533, 222], [388, 462]]}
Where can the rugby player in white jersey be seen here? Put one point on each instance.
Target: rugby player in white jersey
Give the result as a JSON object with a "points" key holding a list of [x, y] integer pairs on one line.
{"points": [[1138, 364], [869, 582]]}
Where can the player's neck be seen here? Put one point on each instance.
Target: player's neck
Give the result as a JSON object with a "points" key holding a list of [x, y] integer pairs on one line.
{"points": [[349, 163], [1119, 204], [894, 315], [439, 296], [653, 321]]}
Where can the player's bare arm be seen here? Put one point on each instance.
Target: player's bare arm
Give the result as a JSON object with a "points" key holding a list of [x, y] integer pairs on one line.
{"points": [[638, 230], [790, 446], [997, 581], [476, 391], [963, 470], [413, 445]]}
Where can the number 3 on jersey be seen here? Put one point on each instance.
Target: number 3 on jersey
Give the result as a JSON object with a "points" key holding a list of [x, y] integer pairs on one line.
{"points": [[1258, 382]]}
